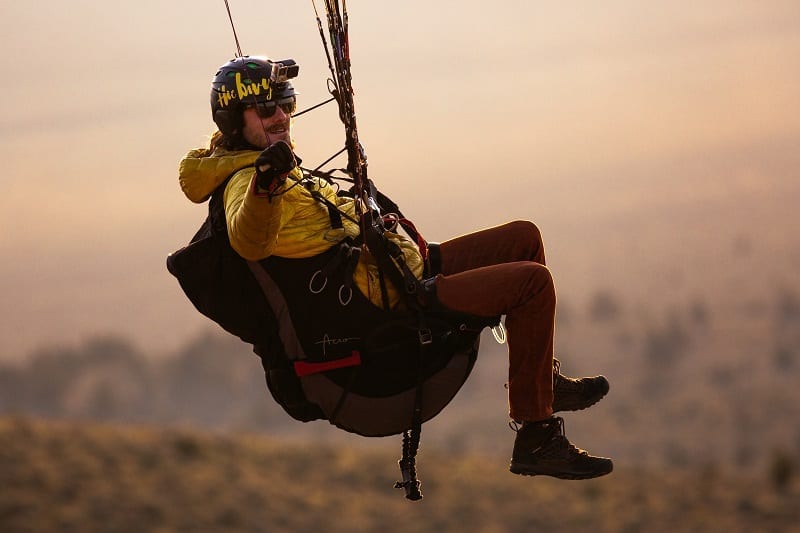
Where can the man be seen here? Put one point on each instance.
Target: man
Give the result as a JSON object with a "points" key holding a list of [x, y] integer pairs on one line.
{"points": [[272, 209]]}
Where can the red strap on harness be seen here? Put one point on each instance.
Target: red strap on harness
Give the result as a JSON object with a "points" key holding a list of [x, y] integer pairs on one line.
{"points": [[304, 368], [422, 244]]}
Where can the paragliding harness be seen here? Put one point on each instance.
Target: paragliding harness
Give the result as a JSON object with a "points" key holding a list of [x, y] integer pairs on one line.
{"points": [[327, 351]]}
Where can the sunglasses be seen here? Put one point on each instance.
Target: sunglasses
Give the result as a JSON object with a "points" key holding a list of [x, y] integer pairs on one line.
{"points": [[267, 109]]}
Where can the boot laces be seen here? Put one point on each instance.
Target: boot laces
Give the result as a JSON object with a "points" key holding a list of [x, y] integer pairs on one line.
{"points": [[564, 383], [559, 443]]}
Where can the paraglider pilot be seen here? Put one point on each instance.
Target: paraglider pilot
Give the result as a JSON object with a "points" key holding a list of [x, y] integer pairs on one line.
{"points": [[495, 271]]}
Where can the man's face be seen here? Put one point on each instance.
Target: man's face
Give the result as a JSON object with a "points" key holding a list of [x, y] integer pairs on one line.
{"points": [[263, 131]]}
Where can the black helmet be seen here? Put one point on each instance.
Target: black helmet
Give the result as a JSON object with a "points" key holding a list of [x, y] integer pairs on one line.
{"points": [[248, 80]]}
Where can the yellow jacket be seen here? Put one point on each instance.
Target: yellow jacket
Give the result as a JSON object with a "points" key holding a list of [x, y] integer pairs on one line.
{"points": [[292, 225]]}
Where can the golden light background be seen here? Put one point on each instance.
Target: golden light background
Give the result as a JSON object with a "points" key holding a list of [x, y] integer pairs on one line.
{"points": [[656, 144]]}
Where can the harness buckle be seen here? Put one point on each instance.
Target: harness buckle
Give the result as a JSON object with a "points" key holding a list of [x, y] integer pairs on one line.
{"points": [[425, 336]]}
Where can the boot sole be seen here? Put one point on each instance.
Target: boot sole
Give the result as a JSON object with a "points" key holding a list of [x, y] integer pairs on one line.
{"points": [[580, 407], [523, 470]]}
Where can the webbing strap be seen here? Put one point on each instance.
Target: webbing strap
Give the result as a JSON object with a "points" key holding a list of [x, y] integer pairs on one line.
{"points": [[333, 211], [286, 330], [391, 261]]}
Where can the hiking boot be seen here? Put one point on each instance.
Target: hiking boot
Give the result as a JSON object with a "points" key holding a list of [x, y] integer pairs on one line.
{"points": [[570, 394], [541, 449]]}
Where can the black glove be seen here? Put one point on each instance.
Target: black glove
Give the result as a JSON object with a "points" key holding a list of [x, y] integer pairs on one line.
{"points": [[273, 164]]}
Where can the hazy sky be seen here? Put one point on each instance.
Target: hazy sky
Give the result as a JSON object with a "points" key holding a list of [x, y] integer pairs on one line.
{"points": [[471, 113]]}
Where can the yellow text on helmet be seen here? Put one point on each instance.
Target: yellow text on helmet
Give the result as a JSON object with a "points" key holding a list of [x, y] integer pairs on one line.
{"points": [[243, 90]]}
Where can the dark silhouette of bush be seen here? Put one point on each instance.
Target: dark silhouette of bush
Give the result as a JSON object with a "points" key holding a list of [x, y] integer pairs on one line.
{"points": [[787, 330], [699, 314], [215, 381], [784, 358], [788, 308], [782, 469], [106, 378], [210, 380], [604, 306], [664, 346]]}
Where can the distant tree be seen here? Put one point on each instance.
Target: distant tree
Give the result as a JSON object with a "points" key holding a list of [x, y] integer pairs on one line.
{"points": [[699, 314], [745, 454], [788, 307], [211, 381], [604, 306], [787, 330], [104, 404], [11, 395], [676, 455], [784, 358], [782, 469], [664, 346], [214, 381], [105, 378], [49, 376]]}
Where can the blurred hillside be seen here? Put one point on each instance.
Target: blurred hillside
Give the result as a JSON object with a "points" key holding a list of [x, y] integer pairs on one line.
{"points": [[698, 383], [86, 477]]}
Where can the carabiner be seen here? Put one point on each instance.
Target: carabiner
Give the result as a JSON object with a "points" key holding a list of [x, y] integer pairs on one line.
{"points": [[346, 301], [311, 283]]}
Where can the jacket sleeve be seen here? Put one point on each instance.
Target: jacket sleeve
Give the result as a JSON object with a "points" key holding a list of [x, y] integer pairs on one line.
{"points": [[253, 220], [199, 174]]}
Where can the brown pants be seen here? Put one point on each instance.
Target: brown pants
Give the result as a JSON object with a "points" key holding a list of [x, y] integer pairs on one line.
{"points": [[501, 271]]}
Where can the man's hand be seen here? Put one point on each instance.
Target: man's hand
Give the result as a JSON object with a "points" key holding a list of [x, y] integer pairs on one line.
{"points": [[273, 165]]}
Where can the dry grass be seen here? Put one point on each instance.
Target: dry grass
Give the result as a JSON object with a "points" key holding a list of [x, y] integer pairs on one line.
{"points": [[60, 476]]}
